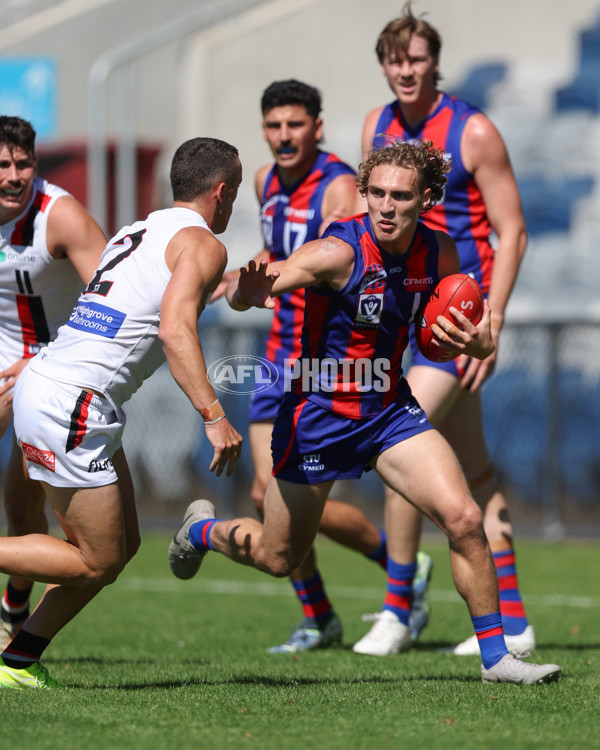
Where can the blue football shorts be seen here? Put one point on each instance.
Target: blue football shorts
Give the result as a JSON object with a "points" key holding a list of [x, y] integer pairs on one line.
{"points": [[264, 404], [311, 444]]}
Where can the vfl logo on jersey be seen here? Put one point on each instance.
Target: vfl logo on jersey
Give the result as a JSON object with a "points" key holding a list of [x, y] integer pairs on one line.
{"points": [[95, 318], [311, 462], [369, 310], [44, 458]]}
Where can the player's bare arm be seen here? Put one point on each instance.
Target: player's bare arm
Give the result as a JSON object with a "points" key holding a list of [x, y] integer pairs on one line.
{"points": [[448, 258], [327, 261], [73, 233], [230, 278], [485, 155], [360, 205], [368, 133], [339, 200], [196, 260]]}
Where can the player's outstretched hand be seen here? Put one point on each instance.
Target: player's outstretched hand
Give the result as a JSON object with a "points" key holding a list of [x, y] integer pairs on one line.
{"points": [[255, 285], [227, 442]]}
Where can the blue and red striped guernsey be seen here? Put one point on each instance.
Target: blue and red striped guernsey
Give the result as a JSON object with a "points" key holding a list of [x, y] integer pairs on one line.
{"points": [[291, 216], [365, 325], [461, 212]]}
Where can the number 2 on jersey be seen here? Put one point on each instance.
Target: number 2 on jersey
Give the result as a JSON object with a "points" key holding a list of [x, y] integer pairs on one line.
{"points": [[103, 287]]}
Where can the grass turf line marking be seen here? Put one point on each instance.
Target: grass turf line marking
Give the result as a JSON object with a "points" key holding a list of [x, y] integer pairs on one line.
{"points": [[268, 588]]}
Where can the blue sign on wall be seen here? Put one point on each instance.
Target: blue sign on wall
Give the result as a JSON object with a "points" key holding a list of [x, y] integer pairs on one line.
{"points": [[28, 90]]}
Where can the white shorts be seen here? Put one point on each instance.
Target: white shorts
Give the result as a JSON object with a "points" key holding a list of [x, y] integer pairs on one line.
{"points": [[68, 435]]}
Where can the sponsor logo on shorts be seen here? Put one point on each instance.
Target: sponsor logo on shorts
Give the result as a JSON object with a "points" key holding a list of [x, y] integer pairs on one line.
{"points": [[311, 462], [94, 318], [242, 374], [40, 456], [104, 465], [416, 411]]}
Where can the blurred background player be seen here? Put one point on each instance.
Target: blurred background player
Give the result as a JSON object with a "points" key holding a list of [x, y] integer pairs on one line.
{"points": [[49, 245], [481, 195], [300, 194]]}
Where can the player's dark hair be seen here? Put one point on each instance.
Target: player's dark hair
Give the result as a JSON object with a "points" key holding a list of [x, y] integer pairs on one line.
{"points": [[17, 133], [291, 91], [394, 39], [428, 162], [199, 164]]}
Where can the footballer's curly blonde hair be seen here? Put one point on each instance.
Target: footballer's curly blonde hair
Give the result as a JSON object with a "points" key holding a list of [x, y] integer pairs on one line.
{"points": [[429, 163]]}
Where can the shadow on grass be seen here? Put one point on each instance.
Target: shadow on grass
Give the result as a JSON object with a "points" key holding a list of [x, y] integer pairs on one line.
{"points": [[278, 682], [245, 679]]}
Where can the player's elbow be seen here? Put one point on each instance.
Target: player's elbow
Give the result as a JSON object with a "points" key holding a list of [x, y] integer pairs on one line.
{"points": [[171, 336]]}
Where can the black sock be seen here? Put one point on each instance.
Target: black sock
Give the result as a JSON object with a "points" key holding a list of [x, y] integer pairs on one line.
{"points": [[24, 649]]}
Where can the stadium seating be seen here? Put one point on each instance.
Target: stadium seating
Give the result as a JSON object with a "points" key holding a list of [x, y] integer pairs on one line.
{"points": [[479, 80]]}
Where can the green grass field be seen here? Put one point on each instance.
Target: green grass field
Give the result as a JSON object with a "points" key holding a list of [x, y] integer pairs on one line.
{"points": [[155, 662]]}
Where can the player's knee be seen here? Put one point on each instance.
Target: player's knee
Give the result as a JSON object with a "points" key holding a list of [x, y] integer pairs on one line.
{"points": [[466, 522], [281, 564], [280, 569], [100, 574]]}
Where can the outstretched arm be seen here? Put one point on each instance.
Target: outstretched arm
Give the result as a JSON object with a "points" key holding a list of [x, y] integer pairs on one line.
{"points": [[196, 260], [327, 261]]}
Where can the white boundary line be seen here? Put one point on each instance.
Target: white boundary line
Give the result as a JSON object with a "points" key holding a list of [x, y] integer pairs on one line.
{"points": [[269, 588]]}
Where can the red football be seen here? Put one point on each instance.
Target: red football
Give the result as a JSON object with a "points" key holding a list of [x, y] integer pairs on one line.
{"points": [[457, 290]]}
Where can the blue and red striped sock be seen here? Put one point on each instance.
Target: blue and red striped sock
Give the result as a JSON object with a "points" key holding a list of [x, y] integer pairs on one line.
{"points": [[399, 589], [380, 554], [514, 619], [313, 597], [488, 629], [200, 533]]}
